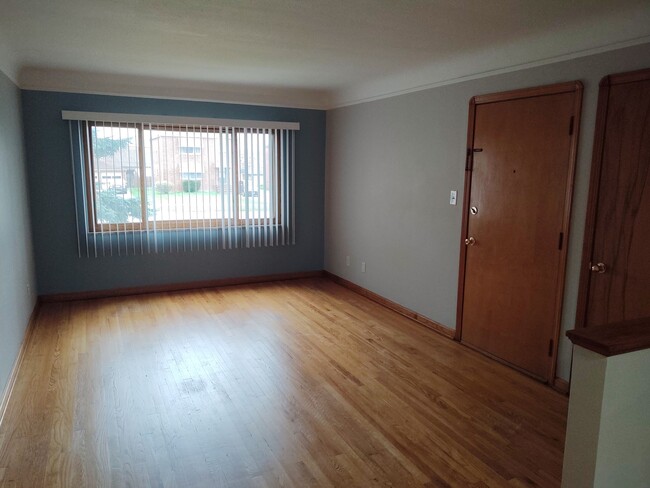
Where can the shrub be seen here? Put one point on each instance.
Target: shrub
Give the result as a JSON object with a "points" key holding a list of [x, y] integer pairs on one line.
{"points": [[191, 186], [115, 208], [164, 188]]}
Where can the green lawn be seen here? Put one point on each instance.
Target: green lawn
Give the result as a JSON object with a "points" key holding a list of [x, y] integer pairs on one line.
{"points": [[135, 193]]}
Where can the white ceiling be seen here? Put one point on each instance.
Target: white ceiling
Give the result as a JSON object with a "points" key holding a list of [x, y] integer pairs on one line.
{"points": [[312, 53]]}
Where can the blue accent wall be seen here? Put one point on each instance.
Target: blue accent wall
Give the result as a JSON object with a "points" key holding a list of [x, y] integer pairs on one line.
{"points": [[17, 283], [48, 153]]}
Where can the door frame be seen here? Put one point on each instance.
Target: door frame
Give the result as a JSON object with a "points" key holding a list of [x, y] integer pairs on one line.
{"points": [[555, 89], [594, 184]]}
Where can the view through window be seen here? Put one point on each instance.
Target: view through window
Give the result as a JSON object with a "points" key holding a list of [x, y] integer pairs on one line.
{"points": [[176, 177]]}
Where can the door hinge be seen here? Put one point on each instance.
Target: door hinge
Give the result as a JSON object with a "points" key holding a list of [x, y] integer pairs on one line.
{"points": [[560, 241], [571, 122], [550, 347]]}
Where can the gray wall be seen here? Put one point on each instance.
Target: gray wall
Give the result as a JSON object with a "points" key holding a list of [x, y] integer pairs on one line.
{"points": [[16, 262], [391, 164], [60, 270], [608, 426]]}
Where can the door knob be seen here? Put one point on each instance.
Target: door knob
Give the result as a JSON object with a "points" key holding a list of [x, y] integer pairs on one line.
{"points": [[470, 241], [598, 268]]}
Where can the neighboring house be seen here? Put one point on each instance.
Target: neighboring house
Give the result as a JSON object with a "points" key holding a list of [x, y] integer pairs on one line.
{"points": [[181, 156], [119, 170], [174, 157]]}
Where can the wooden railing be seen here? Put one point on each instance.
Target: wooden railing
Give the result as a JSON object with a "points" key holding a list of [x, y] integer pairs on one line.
{"points": [[614, 339]]}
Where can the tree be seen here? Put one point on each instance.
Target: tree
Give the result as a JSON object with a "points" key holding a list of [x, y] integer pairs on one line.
{"points": [[114, 208], [106, 146]]}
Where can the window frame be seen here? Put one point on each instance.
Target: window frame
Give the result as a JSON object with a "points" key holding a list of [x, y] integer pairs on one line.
{"points": [[238, 221]]}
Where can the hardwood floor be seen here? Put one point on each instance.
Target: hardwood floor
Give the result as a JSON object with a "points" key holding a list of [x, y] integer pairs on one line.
{"points": [[300, 383]]}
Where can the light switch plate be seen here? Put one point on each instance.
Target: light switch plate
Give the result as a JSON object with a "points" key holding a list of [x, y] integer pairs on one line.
{"points": [[452, 197]]}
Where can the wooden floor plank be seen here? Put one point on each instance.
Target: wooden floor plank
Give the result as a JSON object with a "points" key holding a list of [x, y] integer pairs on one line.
{"points": [[300, 383]]}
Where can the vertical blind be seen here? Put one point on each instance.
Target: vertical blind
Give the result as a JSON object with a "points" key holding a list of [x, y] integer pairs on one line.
{"points": [[174, 184]]}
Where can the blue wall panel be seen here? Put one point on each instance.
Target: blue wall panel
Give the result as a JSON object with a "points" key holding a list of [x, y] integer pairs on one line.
{"points": [[60, 270]]}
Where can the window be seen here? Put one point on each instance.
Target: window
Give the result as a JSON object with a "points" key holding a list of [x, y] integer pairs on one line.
{"points": [[179, 183], [180, 177], [190, 150]]}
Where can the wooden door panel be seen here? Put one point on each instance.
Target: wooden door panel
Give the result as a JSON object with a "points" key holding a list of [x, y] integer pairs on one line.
{"points": [[521, 169], [622, 219]]}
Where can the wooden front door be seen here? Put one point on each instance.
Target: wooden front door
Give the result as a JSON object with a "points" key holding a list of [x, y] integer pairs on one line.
{"points": [[615, 279], [520, 165]]}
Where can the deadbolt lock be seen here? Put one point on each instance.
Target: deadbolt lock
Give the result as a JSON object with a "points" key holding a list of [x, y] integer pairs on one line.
{"points": [[599, 268]]}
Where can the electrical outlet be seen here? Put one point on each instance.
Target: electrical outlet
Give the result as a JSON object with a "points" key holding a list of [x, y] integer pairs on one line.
{"points": [[363, 266], [347, 260]]}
